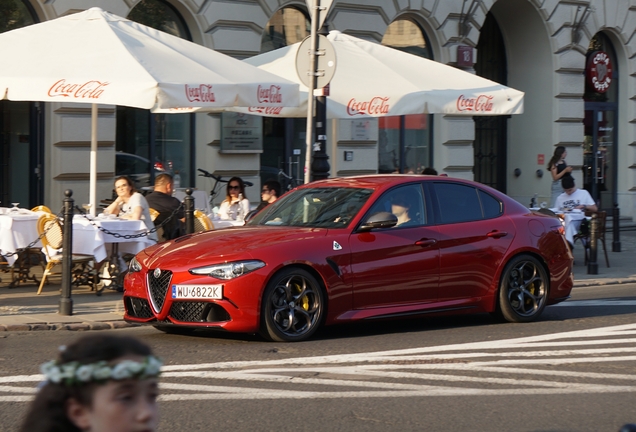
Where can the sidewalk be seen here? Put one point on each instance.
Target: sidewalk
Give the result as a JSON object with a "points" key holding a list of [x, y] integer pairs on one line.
{"points": [[22, 310]]}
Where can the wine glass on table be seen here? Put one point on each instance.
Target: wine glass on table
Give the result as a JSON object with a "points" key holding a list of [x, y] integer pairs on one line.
{"points": [[15, 207]]}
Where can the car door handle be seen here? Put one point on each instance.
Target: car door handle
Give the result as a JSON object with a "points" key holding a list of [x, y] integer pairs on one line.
{"points": [[426, 242], [497, 234]]}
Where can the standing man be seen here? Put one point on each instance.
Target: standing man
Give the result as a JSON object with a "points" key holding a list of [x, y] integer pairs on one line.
{"points": [[161, 199]]}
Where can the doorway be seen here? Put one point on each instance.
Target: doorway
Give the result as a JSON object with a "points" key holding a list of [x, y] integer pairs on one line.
{"points": [[599, 153]]}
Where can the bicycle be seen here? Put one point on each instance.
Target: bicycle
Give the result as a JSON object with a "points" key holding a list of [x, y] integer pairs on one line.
{"points": [[286, 181], [216, 187]]}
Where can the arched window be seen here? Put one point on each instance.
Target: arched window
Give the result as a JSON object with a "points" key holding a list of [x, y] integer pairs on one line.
{"points": [[404, 143], [165, 140], [284, 139]]}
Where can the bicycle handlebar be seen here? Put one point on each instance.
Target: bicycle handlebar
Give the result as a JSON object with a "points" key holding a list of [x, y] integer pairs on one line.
{"points": [[219, 179]]}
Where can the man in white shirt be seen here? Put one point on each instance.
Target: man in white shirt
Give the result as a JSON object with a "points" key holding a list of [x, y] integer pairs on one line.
{"points": [[574, 199]]}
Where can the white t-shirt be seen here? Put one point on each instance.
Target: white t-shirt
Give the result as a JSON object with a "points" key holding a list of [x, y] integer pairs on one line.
{"points": [[229, 211], [577, 198], [138, 200]]}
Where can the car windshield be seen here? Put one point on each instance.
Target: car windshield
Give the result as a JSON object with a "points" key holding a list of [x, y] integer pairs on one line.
{"points": [[314, 208]]}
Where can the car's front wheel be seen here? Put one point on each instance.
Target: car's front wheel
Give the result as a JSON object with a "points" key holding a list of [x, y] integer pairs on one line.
{"points": [[293, 306], [523, 290]]}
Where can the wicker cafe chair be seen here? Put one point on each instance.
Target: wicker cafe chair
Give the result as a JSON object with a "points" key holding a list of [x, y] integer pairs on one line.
{"points": [[202, 222], [585, 238], [41, 208], [154, 214], [82, 268]]}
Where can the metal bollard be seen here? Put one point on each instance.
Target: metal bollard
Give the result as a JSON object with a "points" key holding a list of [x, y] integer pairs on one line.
{"points": [[188, 203], [66, 302], [592, 265], [616, 242]]}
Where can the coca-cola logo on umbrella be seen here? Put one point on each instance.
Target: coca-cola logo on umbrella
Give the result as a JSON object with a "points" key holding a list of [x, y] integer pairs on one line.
{"points": [[599, 71], [374, 106], [87, 90], [269, 94], [481, 103], [266, 110], [200, 93]]}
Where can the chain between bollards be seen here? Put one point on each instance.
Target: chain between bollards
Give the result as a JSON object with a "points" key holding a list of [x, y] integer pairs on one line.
{"points": [[66, 302], [188, 204], [592, 264]]}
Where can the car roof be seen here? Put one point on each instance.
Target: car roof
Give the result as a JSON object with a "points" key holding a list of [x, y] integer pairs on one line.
{"points": [[377, 181]]}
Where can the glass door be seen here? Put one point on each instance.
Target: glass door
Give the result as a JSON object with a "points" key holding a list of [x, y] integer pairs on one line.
{"points": [[599, 155]]}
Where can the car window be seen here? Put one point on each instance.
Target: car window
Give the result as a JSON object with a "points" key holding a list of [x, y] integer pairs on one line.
{"points": [[405, 202], [458, 203], [492, 206], [314, 208]]}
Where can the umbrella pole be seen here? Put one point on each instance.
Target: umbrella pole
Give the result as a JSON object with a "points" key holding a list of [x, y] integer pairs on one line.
{"points": [[93, 160], [309, 135]]}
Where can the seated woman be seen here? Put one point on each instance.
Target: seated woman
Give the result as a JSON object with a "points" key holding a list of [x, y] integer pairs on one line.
{"points": [[131, 205], [235, 205]]}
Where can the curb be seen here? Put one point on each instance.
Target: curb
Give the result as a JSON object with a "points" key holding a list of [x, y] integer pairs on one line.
{"points": [[602, 282], [82, 326]]}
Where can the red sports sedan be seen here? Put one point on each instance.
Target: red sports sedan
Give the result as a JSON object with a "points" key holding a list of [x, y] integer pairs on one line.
{"points": [[356, 248]]}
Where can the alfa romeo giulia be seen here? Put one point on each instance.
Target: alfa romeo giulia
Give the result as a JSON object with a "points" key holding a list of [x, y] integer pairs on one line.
{"points": [[356, 248]]}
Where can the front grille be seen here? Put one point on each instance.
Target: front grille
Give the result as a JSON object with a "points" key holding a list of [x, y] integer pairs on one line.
{"points": [[188, 311], [158, 288], [137, 307]]}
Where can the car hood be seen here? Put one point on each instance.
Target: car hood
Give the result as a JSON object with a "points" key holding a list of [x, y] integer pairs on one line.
{"points": [[225, 245]]}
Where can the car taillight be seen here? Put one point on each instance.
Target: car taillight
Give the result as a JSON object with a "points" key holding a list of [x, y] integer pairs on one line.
{"points": [[159, 166], [558, 228]]}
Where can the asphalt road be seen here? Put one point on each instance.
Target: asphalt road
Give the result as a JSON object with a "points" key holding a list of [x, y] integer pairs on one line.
{"points": [[574, 370]]}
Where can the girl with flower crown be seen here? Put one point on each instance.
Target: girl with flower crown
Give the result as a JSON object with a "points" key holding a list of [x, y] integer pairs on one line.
{"points": [[99, 383]]}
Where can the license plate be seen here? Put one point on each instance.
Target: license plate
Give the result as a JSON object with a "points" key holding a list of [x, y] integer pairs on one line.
{"points": [[197, 291]]}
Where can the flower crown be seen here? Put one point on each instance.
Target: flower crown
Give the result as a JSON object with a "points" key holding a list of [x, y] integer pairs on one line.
{"points": [[74, 373]]}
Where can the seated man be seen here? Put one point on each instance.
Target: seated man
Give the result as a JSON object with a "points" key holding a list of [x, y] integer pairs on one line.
{"points": [[269, 193], [573, 199], [161, 199], [401, 207]]}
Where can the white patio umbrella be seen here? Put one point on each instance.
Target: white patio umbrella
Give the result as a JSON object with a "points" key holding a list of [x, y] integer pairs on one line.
{"points": [[372, 80], [99, 58]]}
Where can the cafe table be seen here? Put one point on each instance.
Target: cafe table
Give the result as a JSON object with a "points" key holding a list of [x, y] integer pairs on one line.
{"points": [[19, 230]]}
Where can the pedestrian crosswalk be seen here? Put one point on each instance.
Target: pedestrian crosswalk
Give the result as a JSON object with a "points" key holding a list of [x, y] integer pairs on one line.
{"points": [[557, 363]]}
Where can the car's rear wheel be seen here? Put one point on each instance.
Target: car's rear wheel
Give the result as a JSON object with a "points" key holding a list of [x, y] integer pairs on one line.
{"points": [[293, 306], [523, 290]]}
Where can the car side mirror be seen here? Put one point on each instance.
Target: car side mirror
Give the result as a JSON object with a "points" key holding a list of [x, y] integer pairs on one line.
{"points": [[378, 220]]}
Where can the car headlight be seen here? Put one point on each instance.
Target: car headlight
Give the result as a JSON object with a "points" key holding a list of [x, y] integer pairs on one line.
{"points": [[228, 271], [134, 266]]}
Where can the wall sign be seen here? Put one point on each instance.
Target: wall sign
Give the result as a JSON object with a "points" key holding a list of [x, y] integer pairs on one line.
{"points": [[599, 71], [241, 133]]}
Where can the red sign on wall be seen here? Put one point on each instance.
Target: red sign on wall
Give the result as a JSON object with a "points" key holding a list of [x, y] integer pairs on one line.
{"points": [[465, 56], [540, 159]]}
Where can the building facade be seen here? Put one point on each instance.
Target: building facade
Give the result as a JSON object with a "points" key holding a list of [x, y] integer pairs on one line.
{"points": [[575, 61]]}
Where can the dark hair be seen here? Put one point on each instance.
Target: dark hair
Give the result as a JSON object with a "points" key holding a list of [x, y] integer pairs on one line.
{"points": [[128, 180], [401, 199], [567, 182], [47, 412], [241, 188], [429, 171], [273, 185], [556, 157], [163, 179]]}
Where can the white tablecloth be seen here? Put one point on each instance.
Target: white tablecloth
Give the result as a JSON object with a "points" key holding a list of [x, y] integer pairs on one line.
{"points": [[571, 221], [201, 199], [89, 240], [18, 230]]}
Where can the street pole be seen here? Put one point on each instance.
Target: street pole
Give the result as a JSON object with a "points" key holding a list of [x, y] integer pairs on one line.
{"points": [[66, 302], [309, 135], [320, 163]]}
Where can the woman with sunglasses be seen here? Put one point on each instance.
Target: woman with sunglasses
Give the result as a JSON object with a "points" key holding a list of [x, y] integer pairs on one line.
{"points": [[235, 206]]}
